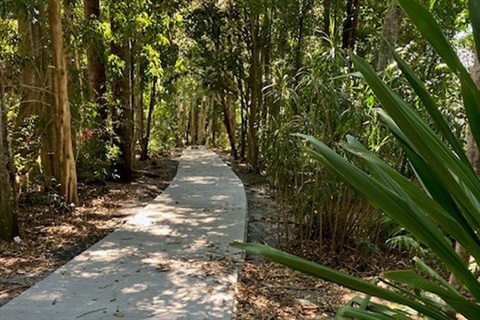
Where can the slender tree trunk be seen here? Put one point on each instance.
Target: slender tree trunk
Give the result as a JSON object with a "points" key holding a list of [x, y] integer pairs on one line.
{"points": [[194, 123], [327, 5], [32, 72], [96, 65], [255, 80], [139, 104], [151, 107], [122, 113], [37, 97], [350, 24], [390, 32], [211, 121], [228, 124], [266, 60], [8, 201], [243, 110], [132, 84], [67, 170], [202, 121], [302, 19]]}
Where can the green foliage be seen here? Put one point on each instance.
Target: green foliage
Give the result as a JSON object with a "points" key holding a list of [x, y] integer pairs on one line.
{"points": [[165, 127], [320, 205], [444, 207]]}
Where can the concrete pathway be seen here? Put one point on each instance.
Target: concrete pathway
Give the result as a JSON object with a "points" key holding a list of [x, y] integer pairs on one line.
{"points": [[170, 261]]}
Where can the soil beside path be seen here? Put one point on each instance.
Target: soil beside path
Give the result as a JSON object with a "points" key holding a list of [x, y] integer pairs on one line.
{"points": [[269, 291], [51, 236]]}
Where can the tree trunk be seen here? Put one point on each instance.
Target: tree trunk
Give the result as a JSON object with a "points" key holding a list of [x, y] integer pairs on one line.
{"points": [[8, 202], [327, 5], [122, 113], [139, 104], [194, 123], [37, 92], [228, 124], [266, 61], [96, 65], [243, 110], [350, 24], [32, 73], [63, 141], [255, 79], [302, 19], [202, 121], [390, 32], [151, 107]]}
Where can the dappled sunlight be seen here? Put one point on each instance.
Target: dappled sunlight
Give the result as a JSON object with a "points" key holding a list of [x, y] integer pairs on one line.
{"points": [[171, 259], [136, 288]]}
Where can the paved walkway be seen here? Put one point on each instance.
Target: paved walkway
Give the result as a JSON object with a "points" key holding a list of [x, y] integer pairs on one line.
{"points": [[170, 261]]}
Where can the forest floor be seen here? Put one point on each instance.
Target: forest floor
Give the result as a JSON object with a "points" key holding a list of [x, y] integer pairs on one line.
{"points": [[269, 291], [51, 236]]}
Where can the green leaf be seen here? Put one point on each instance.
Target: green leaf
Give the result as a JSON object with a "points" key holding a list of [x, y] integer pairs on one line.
{"points": [[430, 105], [398, 208], [474, 8], [380, 309], [429, 28], [452, 298], [456, 176], [329, 274], [450, 222], [422, 266]]}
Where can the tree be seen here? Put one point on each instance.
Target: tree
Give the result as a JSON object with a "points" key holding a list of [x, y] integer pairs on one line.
{"points": [[350, 24], [66, 172], [146, 138], [8, 215], [122, 113], [255, 83], [390, 32], [96, 62]]}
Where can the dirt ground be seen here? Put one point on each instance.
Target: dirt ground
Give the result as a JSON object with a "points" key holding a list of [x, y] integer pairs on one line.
{"points": [[267, 290], [50, 235]]}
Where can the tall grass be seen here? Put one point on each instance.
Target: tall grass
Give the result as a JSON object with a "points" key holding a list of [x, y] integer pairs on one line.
{"points": [[315, 204]]}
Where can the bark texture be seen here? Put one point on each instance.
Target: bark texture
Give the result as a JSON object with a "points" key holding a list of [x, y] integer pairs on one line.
{"points": [[255, 84], [390, 32], [226, 101], [122, 113], [146, 138], [66, 173], [36, 91], [8, 203], [96, 63], [350, 24]]}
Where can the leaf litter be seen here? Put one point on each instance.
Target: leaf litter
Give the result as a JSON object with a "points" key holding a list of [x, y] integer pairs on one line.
{"points": [[50, 237]]}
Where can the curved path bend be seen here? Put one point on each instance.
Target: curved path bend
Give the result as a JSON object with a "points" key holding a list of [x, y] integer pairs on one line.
{"points": [[170, 261]]}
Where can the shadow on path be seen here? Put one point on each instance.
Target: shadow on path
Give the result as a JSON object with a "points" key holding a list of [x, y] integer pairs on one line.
{"points": [[170, 261]]}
